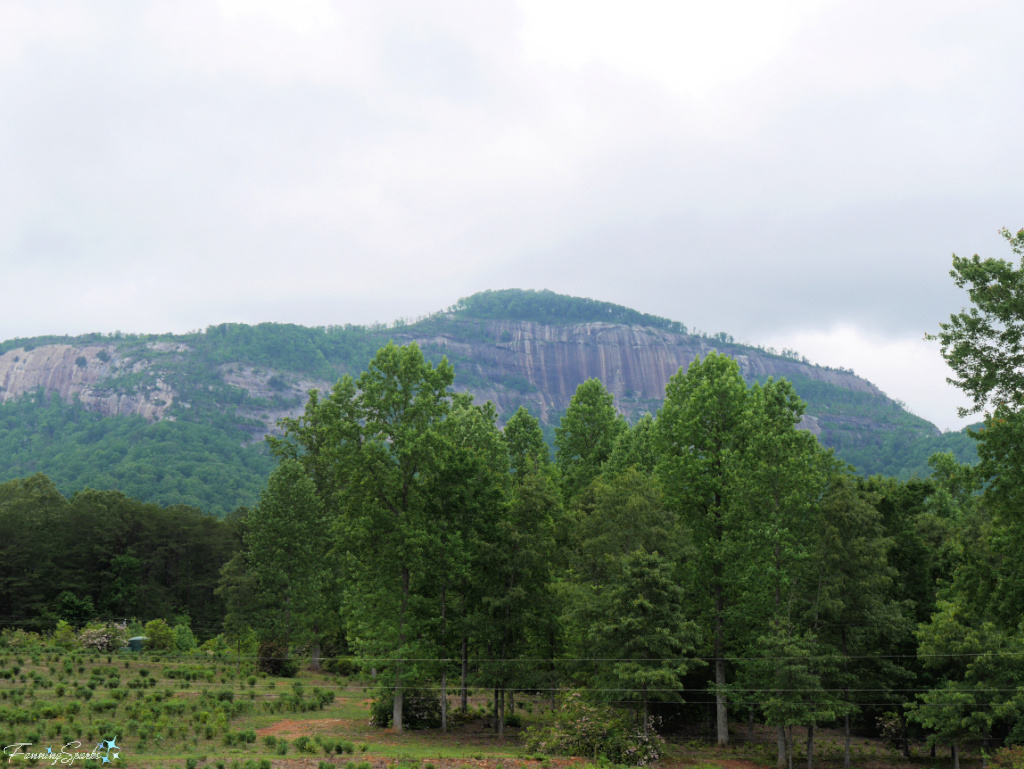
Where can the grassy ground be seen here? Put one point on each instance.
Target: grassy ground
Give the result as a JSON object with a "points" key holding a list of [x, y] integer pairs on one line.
{"points": [[203, 712]]}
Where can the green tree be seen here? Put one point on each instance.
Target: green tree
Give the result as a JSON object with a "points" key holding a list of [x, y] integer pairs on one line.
{"points": [[402, 402], [640, 622], [701, 435], [467, 496], [288, 556], [159, 635], [525, 441], [586, 436], [983, 344], [517, 561], [74, 610]]}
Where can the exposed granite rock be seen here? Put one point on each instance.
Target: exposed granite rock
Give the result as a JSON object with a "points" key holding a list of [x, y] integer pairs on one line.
{"points": [[80, 372]]}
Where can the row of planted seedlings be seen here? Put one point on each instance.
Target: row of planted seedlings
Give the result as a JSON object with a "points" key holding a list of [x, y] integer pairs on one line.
{"points": [[160, 705]]}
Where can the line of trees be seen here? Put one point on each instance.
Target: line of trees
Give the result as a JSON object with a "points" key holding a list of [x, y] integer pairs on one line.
{"points": [[714, 542]]}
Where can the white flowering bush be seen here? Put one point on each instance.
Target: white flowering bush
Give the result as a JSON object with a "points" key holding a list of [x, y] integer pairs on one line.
{"points": [[105, 638], [577, 727]]}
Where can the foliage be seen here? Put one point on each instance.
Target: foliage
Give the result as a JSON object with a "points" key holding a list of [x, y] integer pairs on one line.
{"points": [[74, 610], [180, 462], [576, 727], [103, 637], [421, 709], [983, 344], [117, 554], [586, 436], [549, 307], [159, 635], [1009, 757]]}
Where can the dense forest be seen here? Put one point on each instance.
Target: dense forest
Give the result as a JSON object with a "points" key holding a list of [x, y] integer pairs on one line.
{"points": [[711, 558]]}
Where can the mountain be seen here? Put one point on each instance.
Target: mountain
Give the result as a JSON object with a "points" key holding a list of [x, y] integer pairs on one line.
{"points": [[180, 418]]}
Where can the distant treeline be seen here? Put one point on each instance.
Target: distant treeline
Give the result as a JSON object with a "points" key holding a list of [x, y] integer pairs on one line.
{"points": [[120, 557]]}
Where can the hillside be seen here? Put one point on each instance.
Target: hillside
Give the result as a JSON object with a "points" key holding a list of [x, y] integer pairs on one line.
{"points": [[180, 418]]}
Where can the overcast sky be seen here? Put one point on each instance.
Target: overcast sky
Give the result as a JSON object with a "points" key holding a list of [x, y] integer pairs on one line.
{"points": [[796, 173]]}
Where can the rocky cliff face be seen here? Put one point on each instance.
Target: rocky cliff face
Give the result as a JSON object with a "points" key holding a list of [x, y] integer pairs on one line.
{"points": [[84, 372], [634, 363], [512, 363]]}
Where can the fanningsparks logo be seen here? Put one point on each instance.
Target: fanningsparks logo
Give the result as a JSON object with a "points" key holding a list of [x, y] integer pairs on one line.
{"points": [[107, 751]]}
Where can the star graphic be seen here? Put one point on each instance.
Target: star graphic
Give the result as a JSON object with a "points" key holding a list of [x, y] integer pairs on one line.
{"points": [[49, 751], [117, 755], [106, 760], [112, 744], [99, 747]]}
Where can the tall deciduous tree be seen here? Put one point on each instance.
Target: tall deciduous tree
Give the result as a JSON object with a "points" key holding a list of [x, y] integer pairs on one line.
{"points": [[402, 402], [701, 436]]}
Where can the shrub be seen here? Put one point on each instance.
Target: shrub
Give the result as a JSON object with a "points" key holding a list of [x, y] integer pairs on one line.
{"points": [[1011, 757], [579, 728], [184, 638], [272, 659], [159, 636], [341, 666], [108, 637], [64, 636], [420, 709]]}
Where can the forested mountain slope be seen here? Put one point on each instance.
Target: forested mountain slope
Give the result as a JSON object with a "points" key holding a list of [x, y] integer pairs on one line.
{"points": [[180, 418]]}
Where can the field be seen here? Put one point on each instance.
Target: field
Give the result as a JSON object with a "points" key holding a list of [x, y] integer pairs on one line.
{"points": [[202, 711]]}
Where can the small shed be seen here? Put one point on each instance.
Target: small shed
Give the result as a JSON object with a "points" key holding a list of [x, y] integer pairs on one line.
{"points": [[135, 644]]}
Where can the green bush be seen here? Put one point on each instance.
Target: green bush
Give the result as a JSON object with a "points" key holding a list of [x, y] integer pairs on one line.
{"points": [[1011, 757], [420, 709], [341, 666], [159, 636], [273, 660], [580, 728]]}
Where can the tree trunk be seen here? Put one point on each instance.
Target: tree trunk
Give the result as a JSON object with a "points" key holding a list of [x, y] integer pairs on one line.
{"points": [[647, 713], [789, 746], [750, 725], [955, 750], [495, 708], [780, 741], [810, 746], [903, 734], [315, 661], [444, 700], [721, 708], [512, 701], [501, 715], [444, 661], [846, 739], [465, 674], [396, 712]]}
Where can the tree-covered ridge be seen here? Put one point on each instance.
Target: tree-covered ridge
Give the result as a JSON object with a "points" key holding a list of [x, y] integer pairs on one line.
{"points": [[218, 391], [169, 462], [548, 307]]}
